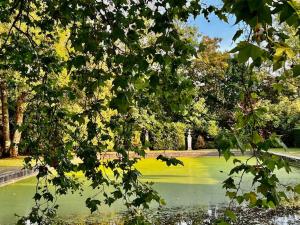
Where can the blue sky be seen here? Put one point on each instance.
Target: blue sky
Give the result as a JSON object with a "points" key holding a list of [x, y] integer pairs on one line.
{"points": [[216, 27]]}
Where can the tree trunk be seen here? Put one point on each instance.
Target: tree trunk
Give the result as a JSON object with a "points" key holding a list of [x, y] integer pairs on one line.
{"points": [[20, 109], [5, 119]]}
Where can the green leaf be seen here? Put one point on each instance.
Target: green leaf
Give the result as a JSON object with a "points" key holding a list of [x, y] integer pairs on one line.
{"points": [[230, 214], [223, 223], [296, 70], [288, 12], [162, 202], [154, 81], [254, 95], [27, 160], [251, 197], [256, 138], [231, 194], [229, 183], [271, 204], [37, 197], [120, 102], [48, 197], [92, 204], [120, 81], [227, 154], [283, 195], [283, 51], [297, 189], [254, 5], [247, 50], [240, 199], [236, 161], [117, 194], [237, 35], [240, 146], [278, 87], [169, 161]]}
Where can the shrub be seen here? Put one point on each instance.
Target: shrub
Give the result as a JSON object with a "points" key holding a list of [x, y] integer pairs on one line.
{"points": [[168, 136]]}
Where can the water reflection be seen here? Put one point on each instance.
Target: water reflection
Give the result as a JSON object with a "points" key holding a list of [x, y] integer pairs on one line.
{"points": [[287, 220]]}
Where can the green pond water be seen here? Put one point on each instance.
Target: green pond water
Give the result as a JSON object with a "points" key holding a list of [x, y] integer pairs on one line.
{"points": [[196, 184]]}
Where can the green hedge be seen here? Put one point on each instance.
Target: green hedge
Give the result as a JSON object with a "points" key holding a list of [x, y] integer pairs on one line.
{"points": [[168, 136]]}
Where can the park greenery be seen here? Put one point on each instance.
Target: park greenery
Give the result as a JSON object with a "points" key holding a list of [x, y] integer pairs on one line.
{"points": [[80, 78]]}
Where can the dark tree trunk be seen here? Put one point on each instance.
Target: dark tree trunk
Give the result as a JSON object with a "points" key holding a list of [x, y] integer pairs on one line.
{"points": [[5, 119], [20, 109]]}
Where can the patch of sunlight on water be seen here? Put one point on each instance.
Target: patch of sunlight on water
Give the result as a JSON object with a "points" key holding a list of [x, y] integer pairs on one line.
{"points": [[194, 171]]}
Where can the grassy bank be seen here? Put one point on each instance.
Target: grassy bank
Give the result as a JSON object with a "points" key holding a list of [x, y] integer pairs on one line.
{"points": [[12, 162]]}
